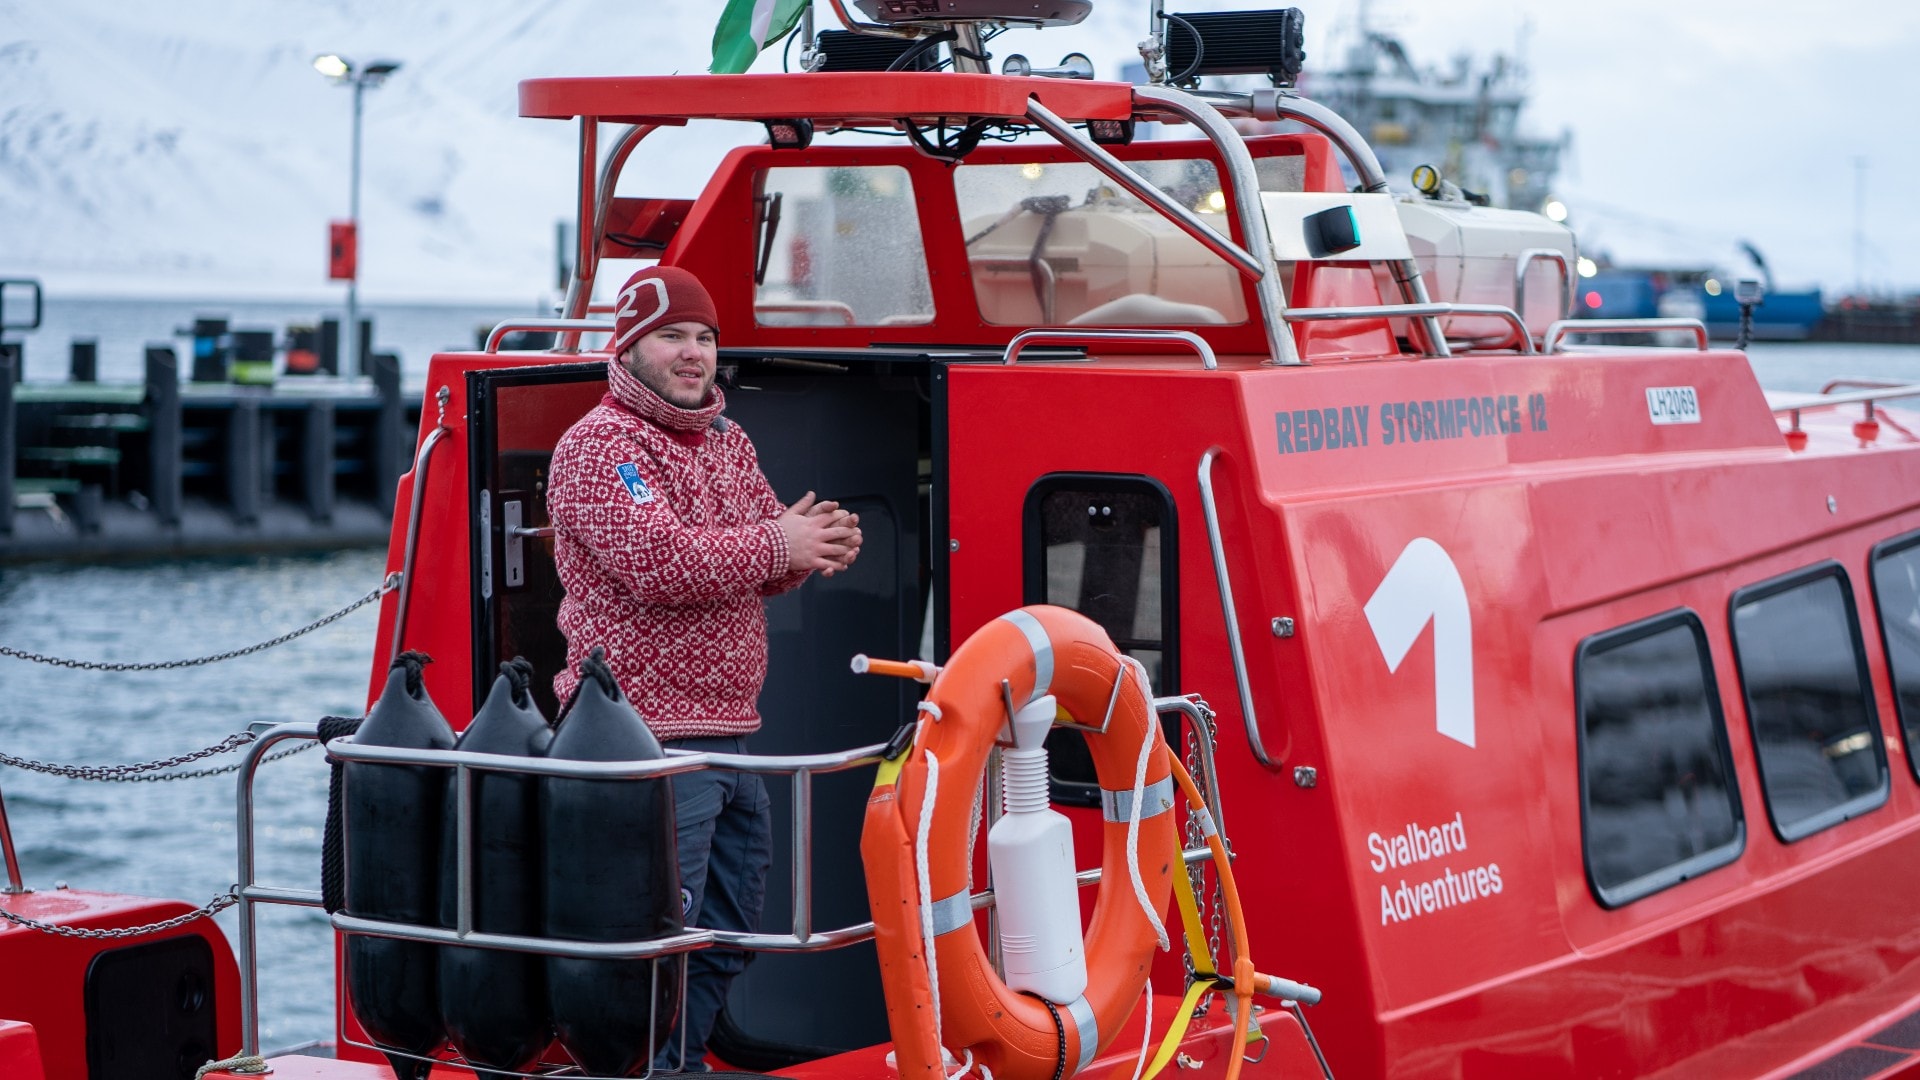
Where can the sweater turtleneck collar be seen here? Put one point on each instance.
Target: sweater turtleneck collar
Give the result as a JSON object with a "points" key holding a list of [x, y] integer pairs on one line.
{"points": [[636, 397]]}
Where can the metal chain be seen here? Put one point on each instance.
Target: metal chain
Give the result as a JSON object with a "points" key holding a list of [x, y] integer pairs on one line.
{"points": [[1196, 872], [153, 770], [392, 582], [212, 907]]}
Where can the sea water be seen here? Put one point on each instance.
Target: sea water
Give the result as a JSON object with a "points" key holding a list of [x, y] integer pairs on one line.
{"points": [[178, 839]]}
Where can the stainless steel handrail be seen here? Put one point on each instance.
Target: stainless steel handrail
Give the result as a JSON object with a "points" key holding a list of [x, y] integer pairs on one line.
{"points": [[1234, 648], [1197, 711], [251, 892], [1560, 329], [1525, 262], [1863, 384], [589, 229], [1242, 185], [14, 886], [1121, 173], [582, 950], [675, 763], [1145, 337], [873, 29], [804, 938], [1434, 308], [1272, 105], [1868, 397], [578, 326], [421, 460], [1201, 715], [1855, 397], [809, 307]]}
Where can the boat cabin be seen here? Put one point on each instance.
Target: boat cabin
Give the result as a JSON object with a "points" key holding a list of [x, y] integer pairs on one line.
{"points": [[1555, 699]]}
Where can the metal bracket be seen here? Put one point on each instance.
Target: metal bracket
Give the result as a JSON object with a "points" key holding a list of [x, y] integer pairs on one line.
{"points": [[486, 544]]}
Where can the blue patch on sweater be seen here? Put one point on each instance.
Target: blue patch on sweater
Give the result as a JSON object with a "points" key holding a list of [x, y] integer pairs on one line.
{"points": [[636, 486]]}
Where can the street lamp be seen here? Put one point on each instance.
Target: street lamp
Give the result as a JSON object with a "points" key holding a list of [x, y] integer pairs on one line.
{"points": [[342, 72]]}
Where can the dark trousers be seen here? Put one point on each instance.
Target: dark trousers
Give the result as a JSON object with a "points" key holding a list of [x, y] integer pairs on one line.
{"points": [[725, 833]]}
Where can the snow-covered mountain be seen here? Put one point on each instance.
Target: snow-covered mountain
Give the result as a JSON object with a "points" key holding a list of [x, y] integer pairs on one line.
{"points": [[190, 147]]}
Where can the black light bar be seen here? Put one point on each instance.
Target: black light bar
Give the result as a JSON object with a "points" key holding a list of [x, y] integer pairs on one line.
{"points": [[1269, 43], [845, 50]]}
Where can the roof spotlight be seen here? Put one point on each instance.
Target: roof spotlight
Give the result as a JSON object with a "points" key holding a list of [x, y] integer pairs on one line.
{"points": [[790, 134], [1072, 66], [1111, 132]]}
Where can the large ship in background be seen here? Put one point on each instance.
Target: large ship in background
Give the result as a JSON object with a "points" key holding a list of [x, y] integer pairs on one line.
{"points": [[1464, 119]]}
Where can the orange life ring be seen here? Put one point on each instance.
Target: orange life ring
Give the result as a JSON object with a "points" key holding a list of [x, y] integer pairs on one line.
{"points": [[1036, 650]]}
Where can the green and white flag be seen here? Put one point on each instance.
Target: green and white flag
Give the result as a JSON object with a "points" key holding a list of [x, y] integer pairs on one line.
{"points": [[748, 26]]}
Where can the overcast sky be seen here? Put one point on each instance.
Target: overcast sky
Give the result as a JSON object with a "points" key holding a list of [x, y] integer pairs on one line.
{"points": [[1696, 123]]}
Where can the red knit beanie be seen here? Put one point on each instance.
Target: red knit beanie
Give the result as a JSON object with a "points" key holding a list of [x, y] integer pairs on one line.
{"points": [[659, 296]]}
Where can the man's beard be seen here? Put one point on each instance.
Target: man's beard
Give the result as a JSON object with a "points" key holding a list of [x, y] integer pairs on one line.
{"points": [[659, 386]]}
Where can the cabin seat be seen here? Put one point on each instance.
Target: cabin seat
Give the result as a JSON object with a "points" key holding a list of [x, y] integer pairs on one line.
{"points": [[1146, 309]]}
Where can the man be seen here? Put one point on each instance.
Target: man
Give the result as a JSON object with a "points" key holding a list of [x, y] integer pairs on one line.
{"points": [[668, 536]]}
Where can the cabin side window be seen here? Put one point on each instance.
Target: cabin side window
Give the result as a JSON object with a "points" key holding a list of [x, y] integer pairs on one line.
{"points": [[1803, 672], [839, 246], [1658, 800], [1105, 547], [1896, 591], [1058, 244]]}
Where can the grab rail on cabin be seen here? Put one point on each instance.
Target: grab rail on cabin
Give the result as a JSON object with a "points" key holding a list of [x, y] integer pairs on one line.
{"points": [[422, 459], [1144, 337], [1525, 262], [578, 326], [1561, 328], [1434, 309], [803, 939], [1235, 649]]}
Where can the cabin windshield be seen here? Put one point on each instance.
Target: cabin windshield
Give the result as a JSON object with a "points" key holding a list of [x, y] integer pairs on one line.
{"points": [[1053, 243]]}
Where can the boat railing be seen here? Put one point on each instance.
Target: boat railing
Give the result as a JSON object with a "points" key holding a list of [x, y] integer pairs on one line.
{"points": [[575, 327], [14, 884], [803, 937], [1870, 394], [1557, 333], [1139, 337], [1525, 262], [1430, 310]]}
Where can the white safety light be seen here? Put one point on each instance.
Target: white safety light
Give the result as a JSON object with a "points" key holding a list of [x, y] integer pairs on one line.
{"points": [[1555, 210]]}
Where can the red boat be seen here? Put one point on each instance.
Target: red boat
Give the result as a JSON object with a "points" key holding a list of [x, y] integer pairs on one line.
{"points": [[1556, 701]]}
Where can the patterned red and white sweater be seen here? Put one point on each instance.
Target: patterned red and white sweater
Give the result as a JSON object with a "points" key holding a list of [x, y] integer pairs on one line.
{"points": [[665, 541]]}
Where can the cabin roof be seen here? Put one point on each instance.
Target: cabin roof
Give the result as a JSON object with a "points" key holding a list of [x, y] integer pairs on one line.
{"points": [[848, 97]]}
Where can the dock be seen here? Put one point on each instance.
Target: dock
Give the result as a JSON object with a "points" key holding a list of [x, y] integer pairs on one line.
{"points": [[164, 468]]}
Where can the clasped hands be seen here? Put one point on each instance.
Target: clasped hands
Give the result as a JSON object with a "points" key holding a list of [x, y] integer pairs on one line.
{"points": [[820, 535]]}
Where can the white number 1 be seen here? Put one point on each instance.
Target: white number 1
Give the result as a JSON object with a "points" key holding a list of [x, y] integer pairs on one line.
{"points": [[1423, 585]]}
